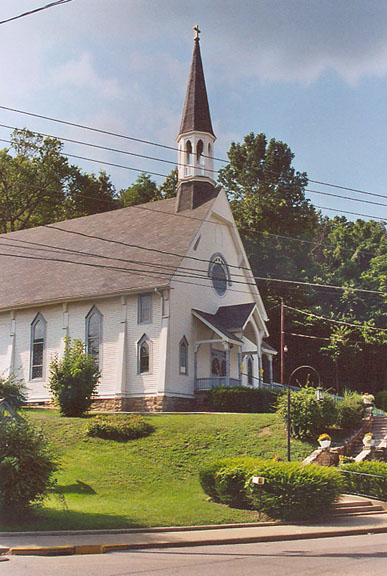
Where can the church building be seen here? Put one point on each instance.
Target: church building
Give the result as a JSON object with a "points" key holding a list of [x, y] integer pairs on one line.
{"points": [[162, 294]]}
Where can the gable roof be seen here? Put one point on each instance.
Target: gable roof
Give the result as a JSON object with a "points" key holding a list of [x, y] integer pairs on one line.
{"points": [[71, 261], [213, 322], [196, 112]]}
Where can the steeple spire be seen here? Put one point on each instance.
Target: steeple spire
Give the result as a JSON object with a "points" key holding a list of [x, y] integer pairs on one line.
{"points": [[196, 182], [196, 112]]}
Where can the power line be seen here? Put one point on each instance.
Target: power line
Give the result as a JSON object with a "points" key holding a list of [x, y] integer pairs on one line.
{"points": [[358, 326], [372, 217], [51, 5], [384, 220], [149, 142], [156, 159], [187, 271], [178, 214]]}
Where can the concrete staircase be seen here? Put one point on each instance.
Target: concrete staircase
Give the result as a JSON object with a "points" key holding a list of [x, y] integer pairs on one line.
{"points": [[379, 430], [357, 506]]}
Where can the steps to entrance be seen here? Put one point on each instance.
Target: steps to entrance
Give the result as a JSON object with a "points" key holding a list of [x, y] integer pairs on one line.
{"points": [[379, 430], [357, 506]]}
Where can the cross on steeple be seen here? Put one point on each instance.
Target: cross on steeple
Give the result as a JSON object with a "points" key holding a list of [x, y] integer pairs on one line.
{"points": [[197, 32]]}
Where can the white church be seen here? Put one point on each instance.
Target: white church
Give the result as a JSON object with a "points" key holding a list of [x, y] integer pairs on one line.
{"points": [[162, 294]]}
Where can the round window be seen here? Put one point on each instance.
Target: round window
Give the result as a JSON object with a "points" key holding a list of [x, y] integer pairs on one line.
{"points": [[218, 273]]}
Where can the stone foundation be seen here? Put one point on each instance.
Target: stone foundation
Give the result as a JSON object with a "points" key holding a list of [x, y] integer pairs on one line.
{"points": [[145, 404]]}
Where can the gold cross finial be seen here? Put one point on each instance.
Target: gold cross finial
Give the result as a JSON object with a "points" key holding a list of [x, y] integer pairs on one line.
{"points": [[197, 32]]}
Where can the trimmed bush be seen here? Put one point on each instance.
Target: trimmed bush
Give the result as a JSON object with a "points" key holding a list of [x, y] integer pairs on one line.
{"points": [[73, 379], [292, 491], [241, 399], [224, 480], [358, 483], [350, 410], [26, 465], [13, 391], [381, 400], [119, 427], [308, 416]]}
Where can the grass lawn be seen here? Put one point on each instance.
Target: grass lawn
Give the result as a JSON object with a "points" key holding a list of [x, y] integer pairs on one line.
{"points": [[151, 481]]}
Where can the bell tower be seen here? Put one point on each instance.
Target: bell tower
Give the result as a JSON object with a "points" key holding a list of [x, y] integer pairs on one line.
{"points": [[196, 176]]}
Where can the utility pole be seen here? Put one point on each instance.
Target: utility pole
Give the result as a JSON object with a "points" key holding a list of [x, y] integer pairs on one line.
{"points": [[283, 376]]}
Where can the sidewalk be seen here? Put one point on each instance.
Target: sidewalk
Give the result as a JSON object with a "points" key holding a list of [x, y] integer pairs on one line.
{"points": [[99, 542]]}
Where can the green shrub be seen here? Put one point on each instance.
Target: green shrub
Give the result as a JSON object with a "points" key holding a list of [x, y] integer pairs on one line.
{"points": [[119, 427], [241, 399], [357, 482], [224, 480], [292, 491], [381, 400], [349, 410], [308, 416], [73, 379], [12, 390], [26, 465]]}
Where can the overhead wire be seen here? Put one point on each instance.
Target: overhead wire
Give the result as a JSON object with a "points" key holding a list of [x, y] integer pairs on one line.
{"points": [[50, 5], [311, 314], [157, 144]]}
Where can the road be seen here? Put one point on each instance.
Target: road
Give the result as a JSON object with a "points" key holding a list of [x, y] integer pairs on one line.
{"points": [[347, 556]]}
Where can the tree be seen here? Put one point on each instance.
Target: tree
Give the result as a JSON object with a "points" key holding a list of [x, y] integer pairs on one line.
{"points": [[142, 191], [168, 188], [268, 201], [73, 379], [39, 186]]}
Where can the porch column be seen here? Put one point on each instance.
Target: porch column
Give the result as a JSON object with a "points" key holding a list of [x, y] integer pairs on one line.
{"points": [[259, 371], [227, 348], [240, 364], [196, 364], [270, 369]]}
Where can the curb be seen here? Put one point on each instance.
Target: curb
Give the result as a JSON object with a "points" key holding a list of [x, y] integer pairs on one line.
{"points": [[107, 548]]}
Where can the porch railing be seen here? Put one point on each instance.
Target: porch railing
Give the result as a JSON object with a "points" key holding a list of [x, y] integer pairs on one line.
{"points": [[214, 382]]}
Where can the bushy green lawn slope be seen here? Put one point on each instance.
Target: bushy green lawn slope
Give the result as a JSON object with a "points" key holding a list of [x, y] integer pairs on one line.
{"points": [[150, 481]]}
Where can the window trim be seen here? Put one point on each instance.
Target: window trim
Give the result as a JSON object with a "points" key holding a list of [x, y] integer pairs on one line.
{"points": [[139, 308], [214, 260], [184, 343], [38, 318], [94, 310], [140, 342]]}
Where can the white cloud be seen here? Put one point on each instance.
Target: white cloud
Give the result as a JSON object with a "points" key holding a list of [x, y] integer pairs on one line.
{"points": [[81, 73]]}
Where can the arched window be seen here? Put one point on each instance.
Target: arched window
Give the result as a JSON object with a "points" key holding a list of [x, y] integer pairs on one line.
{"points": [[219, 274], [249, 371], [188, 153], [144, 355], [199, 151], [183, 356], [38, 344], [94, 334]]}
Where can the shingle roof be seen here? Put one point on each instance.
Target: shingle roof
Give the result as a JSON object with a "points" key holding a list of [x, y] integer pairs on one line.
{"points": [[216, 324], [29, 274], [196, 112], [235, 317]]}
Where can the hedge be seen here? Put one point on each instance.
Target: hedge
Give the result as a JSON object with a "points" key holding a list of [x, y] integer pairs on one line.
{"points": [[119, 427], [241, 399], [356, 481], [292, 491]]}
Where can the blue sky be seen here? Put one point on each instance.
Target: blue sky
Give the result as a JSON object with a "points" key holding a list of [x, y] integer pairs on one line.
{"points": [[310, 73]]}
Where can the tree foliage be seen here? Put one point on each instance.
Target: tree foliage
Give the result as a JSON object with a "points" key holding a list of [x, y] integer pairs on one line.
{"points": [[39, 186], [73, 379]]}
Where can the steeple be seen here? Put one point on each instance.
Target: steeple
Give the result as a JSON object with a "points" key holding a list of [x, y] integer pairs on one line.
{"points": [[196, 182], [196, 112]]}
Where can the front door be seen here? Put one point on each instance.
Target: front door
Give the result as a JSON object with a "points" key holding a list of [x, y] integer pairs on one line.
{"points": [[218, 363]]}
